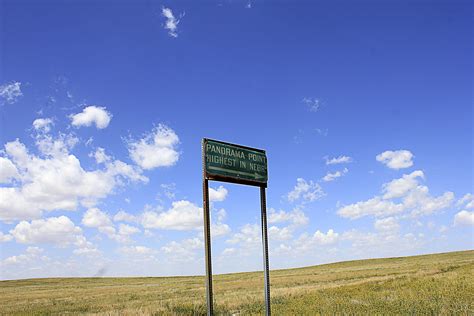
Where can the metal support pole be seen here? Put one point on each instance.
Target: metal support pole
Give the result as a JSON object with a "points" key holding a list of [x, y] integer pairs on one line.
{"points": [[207, 242], [266, 267]]}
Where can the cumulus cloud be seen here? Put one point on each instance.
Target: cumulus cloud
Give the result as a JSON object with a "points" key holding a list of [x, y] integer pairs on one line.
{"points": [[43, 124], [338, 160], [228, 251], [387, 225], [11, 92], [312, 104], [31, 254], [141, 252], [248, 236], [123, 216], [398, 159], [8, 171], [318, 239], [92, 115], [100, 156], [127, 230], [376, 207], [218, 195], [333, 176], [414, 198], [156, 149], [296, 217], [464, 218], [169, 190], [96, 218], [55, 230], [5, 237], [421, 203], [279, 233], [400, 187], [219, 229], [171, 23], [467, 200], [184, 250], [325, 239], [183, 215], [308, 191], [368, 244], [55, 179], [85, 247]]}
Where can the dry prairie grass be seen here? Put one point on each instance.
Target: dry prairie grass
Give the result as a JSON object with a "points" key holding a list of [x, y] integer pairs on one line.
{"points": [[439, 284]]}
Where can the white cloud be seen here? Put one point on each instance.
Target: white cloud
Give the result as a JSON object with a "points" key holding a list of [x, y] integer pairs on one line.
{"points": [[467, 199], [218, 195], [54, 230], [101, 220], [322, 132], [368, 244], [221, 215], [8, 171], [94, 217], [398, 159], [249, 236], [400, 187], [325, 239], [306, 241], [279, 233], [92, 115], [136, 251], [313, 104], [127, 230], [123, 216], [31, 254], [464, 218], [296, 217], [171, 23], [228, 251], [183, 215], [100, 156], [169, 190], [85, 247], [5, 237], [376, 207], [56, 180], [333, 176], [414, 198], [156, 149], [11, 92], [387, 225], [308, 191], [338, 160], [185, 250], [219, 229], [43, 124], [422, 203]]}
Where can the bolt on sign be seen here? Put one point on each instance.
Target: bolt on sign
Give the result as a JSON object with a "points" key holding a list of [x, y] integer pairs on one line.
{"points": [[237, 164]]}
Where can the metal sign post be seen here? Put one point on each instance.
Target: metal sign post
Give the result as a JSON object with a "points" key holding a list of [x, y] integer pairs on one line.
{"points": [[237, 164], [266, 268], [207, 242]]}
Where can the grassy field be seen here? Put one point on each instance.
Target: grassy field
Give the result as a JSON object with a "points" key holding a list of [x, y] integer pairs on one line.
{"points": [[421, 285]]}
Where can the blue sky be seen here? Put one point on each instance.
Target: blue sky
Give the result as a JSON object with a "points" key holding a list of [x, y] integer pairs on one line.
{"points": [[364, 109]]}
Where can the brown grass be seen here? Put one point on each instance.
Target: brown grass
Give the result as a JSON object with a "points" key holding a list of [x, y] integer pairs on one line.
{"points": [[439, 284]]}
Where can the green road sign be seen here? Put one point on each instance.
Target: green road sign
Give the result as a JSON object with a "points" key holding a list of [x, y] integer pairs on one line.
{"points": [[234, 163]]}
